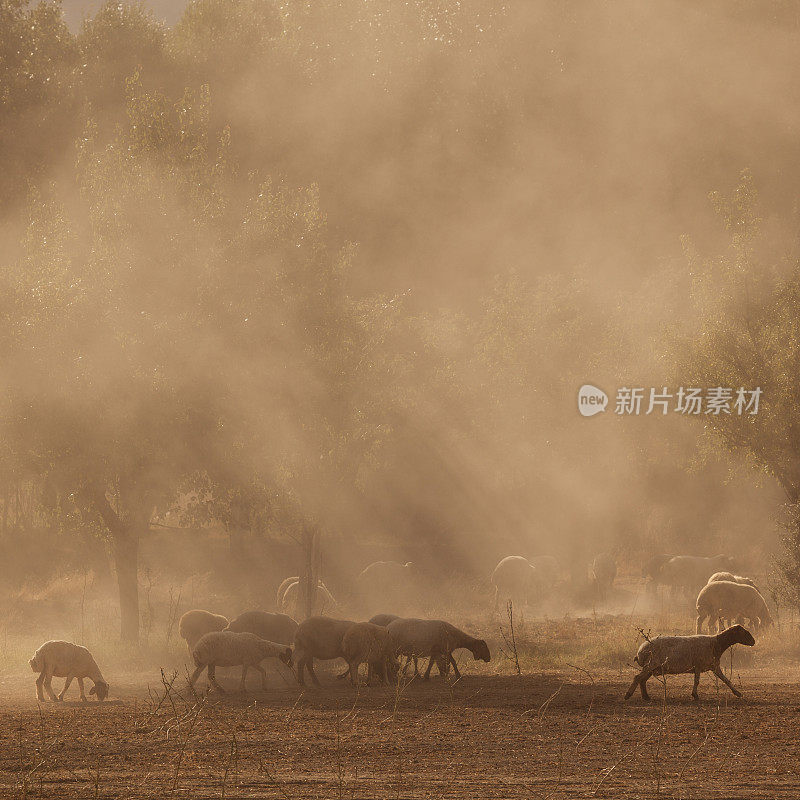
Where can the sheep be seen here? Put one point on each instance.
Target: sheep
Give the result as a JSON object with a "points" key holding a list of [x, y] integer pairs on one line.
{"points": [[690, 573], [729, 576], [437, 639], [196, 623], [66, 660], [231, 649], [318, 637], [383, 620], [367, 643], [278, 628], [679, 655], [323, 600], [514, 578], [652, 568], [602, 572], [727, 600]]}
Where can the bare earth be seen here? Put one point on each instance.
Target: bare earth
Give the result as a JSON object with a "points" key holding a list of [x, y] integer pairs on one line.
{"points": [[487, 736]]}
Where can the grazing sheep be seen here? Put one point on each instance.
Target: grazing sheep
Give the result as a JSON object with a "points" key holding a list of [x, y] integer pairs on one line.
{"points": [[602, 572], [323, 601], [230, 649], [197, 623], [728, 600], [515, 579], [729, 576], [437, 639], [66, 660], [690, 573], [365, 643], [318, 637], [278, 628], [679, 655]]}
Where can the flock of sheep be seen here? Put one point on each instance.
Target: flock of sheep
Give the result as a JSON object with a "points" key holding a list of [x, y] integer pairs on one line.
{"points": [[254, 636]]}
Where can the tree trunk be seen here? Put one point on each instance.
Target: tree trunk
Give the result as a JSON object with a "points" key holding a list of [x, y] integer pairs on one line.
{"points": [[126, 562], [125, 532]]}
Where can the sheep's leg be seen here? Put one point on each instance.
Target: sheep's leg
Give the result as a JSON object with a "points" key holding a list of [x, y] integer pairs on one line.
{"points": [[496, 598], [242, 685], [455, 666], [300, 667], [721, 675], [39, 682], [698, 625], [263, 676], [48, 687], [696, 684], [427, 675], [67, 682], [353, 669], [632, 687], [310, 668], [80, 686], [192, 680], [212, 678], [643, 678], [416, 666]]}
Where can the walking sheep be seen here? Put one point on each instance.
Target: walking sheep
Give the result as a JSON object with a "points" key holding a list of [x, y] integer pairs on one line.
{"points": [[436, 639], [318, 637], [727, 600], [278, 628], [365, 643], [66, 660], [680, 655], [196, 623], [229, 649]]}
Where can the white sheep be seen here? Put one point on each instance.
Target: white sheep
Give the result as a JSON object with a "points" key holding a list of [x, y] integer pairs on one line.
{"points": [[729, 576], [435, 639], [229, 649], [365, 643], [318, 637], [290, 602], [66, 660], [727, 600], [680, 655], [515, 579], [278, 628], [197, 623]]}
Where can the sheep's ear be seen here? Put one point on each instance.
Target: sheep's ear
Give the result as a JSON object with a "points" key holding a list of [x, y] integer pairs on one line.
{"points": [[93, 690]]}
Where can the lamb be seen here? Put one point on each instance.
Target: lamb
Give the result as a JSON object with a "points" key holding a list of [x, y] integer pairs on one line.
{"points": [[323, 600], [365, 643], [728, 600], [383, 620], [515, 579], [231, 649], [679, 655], [437, 639], [318, 637], [278, 628], [66, 660], [196, 623]]}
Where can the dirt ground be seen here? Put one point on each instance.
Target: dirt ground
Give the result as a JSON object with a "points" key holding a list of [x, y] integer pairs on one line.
{"points": [[486, 736]]}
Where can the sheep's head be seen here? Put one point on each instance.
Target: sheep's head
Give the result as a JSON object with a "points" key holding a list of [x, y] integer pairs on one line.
{"points": [[740, 635], [480, 651], [100, 689], [286, 657], [35, 665]]}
